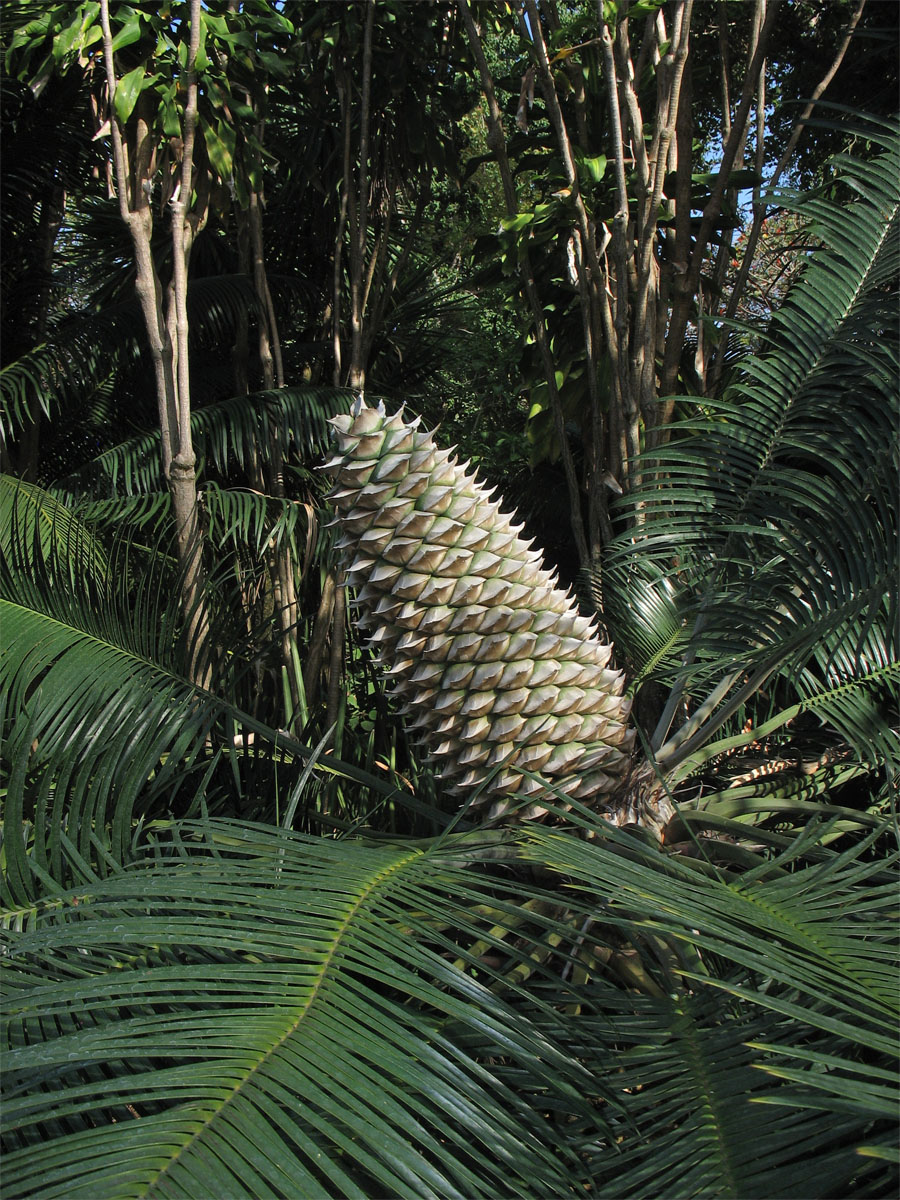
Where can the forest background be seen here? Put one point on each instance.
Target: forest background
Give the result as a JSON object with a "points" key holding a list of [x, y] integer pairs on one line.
{"points": [[638, 263]]}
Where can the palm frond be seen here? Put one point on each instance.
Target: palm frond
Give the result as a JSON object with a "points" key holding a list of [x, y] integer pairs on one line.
{"points": [[772, 512], [226, 434], [87, 348], [31, 516], [99, 712], [763, 1060], [252, 1012]]}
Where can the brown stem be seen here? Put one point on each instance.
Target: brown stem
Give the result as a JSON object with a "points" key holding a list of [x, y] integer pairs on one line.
{"points": [[760, 210], [648, 302], [624, 395], [357, 371], [140, 225], [315, 654], [336, 661], [724, 75], [343, 91], [682, 300], [180, 243], [497, 143], [173, 394], [259, 286]]}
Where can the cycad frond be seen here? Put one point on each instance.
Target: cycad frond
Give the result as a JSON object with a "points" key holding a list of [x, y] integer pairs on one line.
{"points": [[226, 434], [760, 1058], [243, 1006], [773, 512], [102, 727], [84, 350], [259, 1013]]}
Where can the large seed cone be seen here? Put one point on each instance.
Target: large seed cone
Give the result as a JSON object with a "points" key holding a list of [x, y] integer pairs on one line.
{"points": [[494, 666]]}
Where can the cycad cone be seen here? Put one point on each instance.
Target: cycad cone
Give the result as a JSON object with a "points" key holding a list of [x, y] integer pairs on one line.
{"points": [[505, 684]]}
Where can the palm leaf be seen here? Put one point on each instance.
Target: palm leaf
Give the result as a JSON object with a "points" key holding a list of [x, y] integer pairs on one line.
{"points": [[260, 1014], [764, 1059], [31, 516], [226, 434], [776, 505], [85, 349], [99, 711]]}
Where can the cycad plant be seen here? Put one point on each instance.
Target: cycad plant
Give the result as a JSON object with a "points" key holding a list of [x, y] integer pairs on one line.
{"points": [[723, 585], [202, 1000]]}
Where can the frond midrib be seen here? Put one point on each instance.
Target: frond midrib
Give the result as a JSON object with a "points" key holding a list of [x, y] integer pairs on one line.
{"points": [[376, 881]]}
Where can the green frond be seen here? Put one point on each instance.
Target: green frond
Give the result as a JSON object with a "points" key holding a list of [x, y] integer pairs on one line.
{"points": [[772, 512], [225, 434], [252, 520], [102, 727], [767, 1058], [249, 1013], [86, 349], [32, 517]]}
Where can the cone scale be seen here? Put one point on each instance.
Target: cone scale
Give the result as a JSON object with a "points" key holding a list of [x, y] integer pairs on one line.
{"points": [[503, 684]]}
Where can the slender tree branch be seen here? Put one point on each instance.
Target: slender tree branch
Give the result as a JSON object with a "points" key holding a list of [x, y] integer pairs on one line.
{"points": [[357, 375], [147, 287], [682, 298], [344, 97], [497, 143], [626, 73], [185, 453], [761, 210]]}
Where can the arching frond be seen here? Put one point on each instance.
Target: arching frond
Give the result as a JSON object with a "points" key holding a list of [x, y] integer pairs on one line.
{"points": [[758, 1056], [225, 434], [772, 513], [257, 1013], [241, 1007], [99, 712], [32, 517], [86, 348]]}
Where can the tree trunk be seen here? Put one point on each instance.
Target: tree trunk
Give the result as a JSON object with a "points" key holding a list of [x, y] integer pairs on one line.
{"points": [[170, 361]]}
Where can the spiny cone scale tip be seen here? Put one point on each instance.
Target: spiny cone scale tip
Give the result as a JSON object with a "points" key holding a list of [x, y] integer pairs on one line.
{"points": [[497, 671]]}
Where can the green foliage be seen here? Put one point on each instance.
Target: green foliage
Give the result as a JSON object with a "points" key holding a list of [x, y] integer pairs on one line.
{"points": [[271, 1014], [764, 560], [249, 1007], [237, 55], [198, 997]]}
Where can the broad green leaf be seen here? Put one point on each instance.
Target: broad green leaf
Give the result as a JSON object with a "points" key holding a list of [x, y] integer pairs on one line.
{"points": [[220, 139], [592, 168], [128, 89], [514, 224], [130, 31], [277, 1013], [82, 31]]}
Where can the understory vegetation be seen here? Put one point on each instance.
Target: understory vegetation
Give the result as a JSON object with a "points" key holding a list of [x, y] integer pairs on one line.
{"points": [[347, 853]]}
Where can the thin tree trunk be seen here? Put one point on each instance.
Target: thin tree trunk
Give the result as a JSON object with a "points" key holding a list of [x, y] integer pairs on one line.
{"points": [[760, 211], [683, 298], [271, 474], [172, 383], [335, 666], [497, 143], [357, 366], [318, 640]]}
